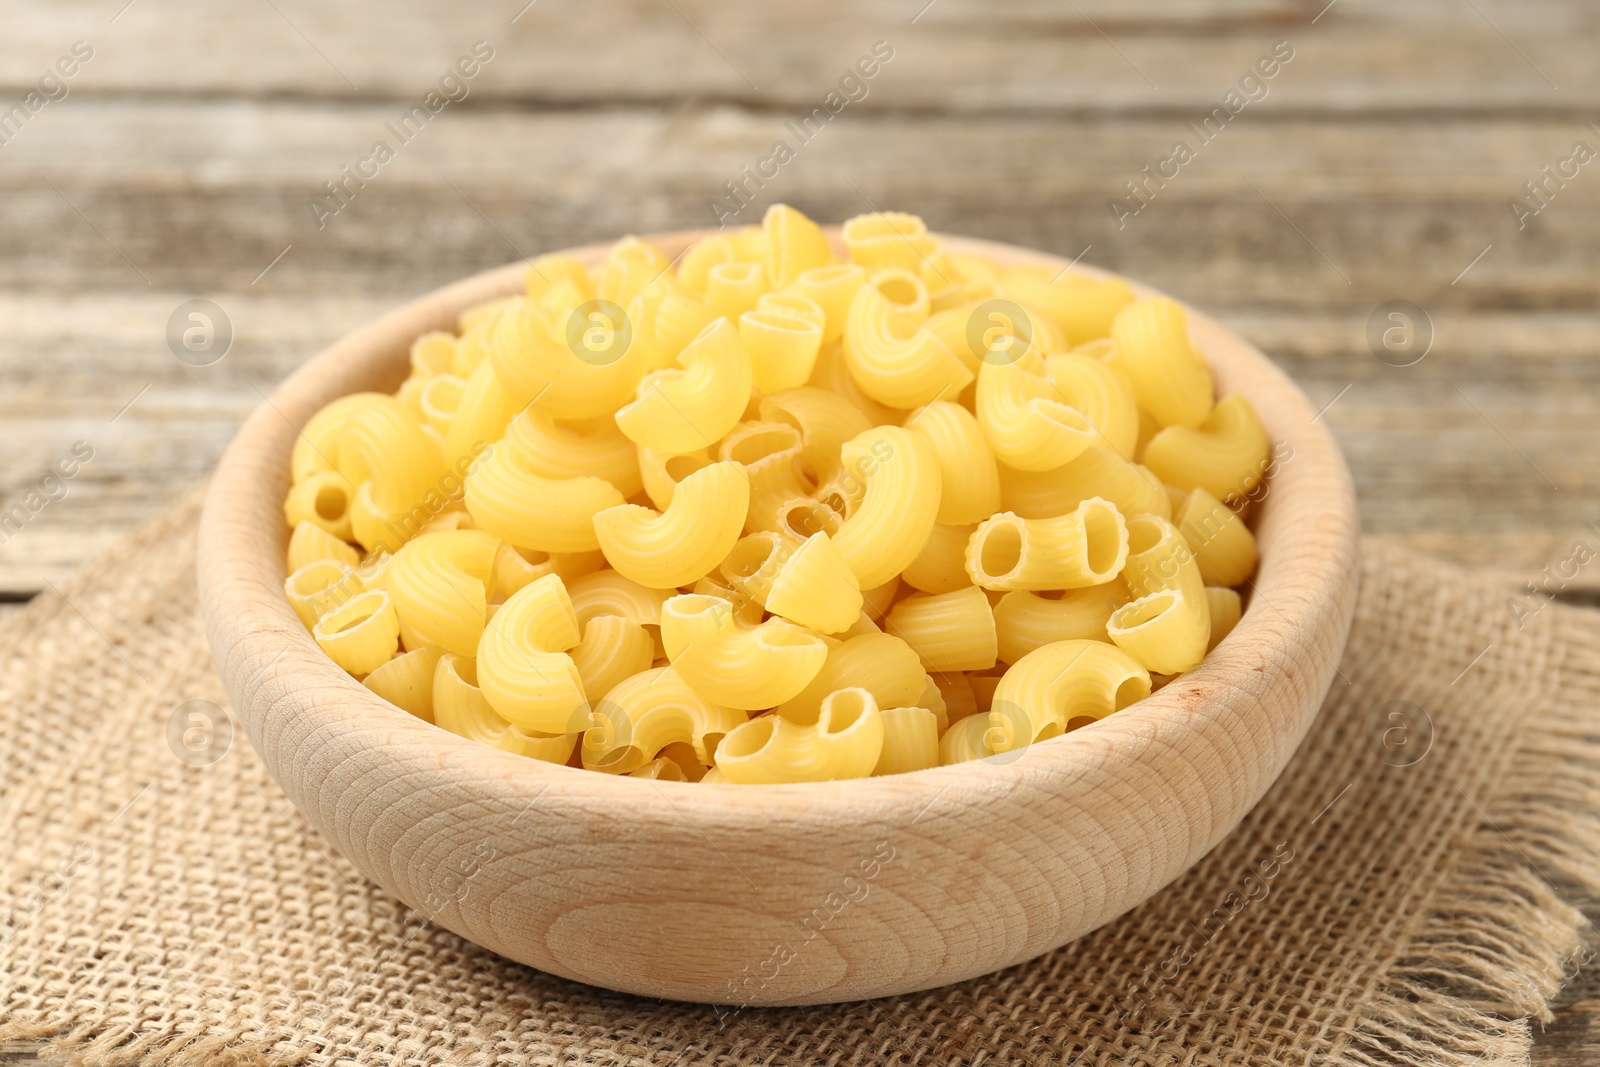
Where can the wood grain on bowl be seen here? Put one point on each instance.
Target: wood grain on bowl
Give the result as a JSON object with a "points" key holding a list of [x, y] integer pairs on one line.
{"points": [[778, 894]]}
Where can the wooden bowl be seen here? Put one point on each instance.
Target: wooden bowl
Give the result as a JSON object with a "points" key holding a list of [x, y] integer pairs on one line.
{"points": [[777, 894]]}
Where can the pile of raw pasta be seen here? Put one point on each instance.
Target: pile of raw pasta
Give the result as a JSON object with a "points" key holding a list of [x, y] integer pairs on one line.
{"points": [[769, 513]]}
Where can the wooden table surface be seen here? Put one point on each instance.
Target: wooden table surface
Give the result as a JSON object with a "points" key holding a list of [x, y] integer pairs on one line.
{"points": [[1379, 163]]}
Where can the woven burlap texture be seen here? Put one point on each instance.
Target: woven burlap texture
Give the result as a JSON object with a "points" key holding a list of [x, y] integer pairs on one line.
{"points": [[1376, 908]]}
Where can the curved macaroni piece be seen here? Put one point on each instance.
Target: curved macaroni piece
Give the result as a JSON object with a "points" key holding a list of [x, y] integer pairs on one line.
{"points": [[628, 268], [941, 566], [1068, 684], [406, 681], [832, 374], [566, 364], [1088, 546], [815, 587], [649, 712], [1170, 378], [968, 474], [684, 410], [316, 448], [662, 550], [833, 289], [900, 502], [752, 565], [398, 471], [734, 288], [661, 472], [606, 592], [523, 666], [323, 499], [795, 244], [440, 586], [547, 748], [783, 348], [1024, 621], [950, 631], [310, 543], [434, 353], [508, 498], [1029, 423], [884, 240], [664, 323], [472, 347], [1226, 610], [795, 305], [734, 665], [438, 399], [846, 741], [459, 705], [1169, 626], [1095, 473], [1226, 456], [547, 271], [891, 358], [694, 268], [824, 420], [770, 453], [613, 648], [1085, 307], [933, 700], [516, 567], [361, 634], [1104, 396], [882, 664], [588, 448], [804, 517], [318, 587], [910, 741], [1003, 338], [1224, 548]]}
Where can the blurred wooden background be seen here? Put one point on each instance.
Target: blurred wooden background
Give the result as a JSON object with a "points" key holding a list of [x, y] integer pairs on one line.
{"points": [[1379, 166]]}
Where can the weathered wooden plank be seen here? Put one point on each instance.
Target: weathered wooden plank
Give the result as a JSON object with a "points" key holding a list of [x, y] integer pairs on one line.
{"points": [[957, 56]]}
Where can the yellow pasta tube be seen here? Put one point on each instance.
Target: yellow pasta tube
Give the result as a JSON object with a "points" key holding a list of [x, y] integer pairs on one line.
{"points": [[317, 445], [694, 269], [607, 592], [1170, 378], [1030, 424], [406, 681], [572, 364], [832, 374], [547, 748], [891, 358], [440, 585], [950, 631], [508, 498], [900, 502], [661, 472], [588, 448], [815, 587], [752, 565], [1226, 610], [613, 648], [514, 568], [459, 705], [1226, 456], [1024, 620], [804, 517], [1085, 307], [1069, 684], [310, 543], [782, 347], [438, 399], [523, 666], [941, 566], [887, 239], [795, 244], [770, 453], [318, 587], [833, 289], [845, 742], [682, 410], [1103, 395], [824, 420], [650, 712], [361, 634], [398, 471], [675, 547], [735, 665], [910, 741], [661, 769], [734, 288], [321, 498], [1085, 547], [1095, 473], [1168, 627], [794, 305], [882, 664], [433, 354], [968, 474], [629, 266], [1224, 547], [664, 323], [546, 271]]}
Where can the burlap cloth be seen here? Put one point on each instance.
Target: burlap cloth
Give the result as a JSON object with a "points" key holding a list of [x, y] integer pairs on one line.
{"points": [[1377, 907]]}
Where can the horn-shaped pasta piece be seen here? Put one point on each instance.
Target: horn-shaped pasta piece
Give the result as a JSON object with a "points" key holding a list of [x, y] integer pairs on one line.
{"points": [[1103, 395], [941, 566], [815, 587], [317, 446], [845, 742], [735, 665], [523, 666], [833, 289], [882, 664], [510, 499], [949, 631], [1097, 472], [1225, 609], [318, 587], [675, 547], [606, 592], [888, 239], [795, 244], [681, 410], [323, 499], [612, 649], [545, 271], [406, 681], [1024, 621], [648, 712], [1168, 628], [479, 420], [910, 741], [1084, 307], [1086, 547], [825, 422], [734, 288], [397, 469], [770, 453], [590, 448], [891, 357], [1030, 424], [1068, 684], [568, 363], [1226, 456], [783, 348], [440, 586], [361, 634], [1224, 547], [460, 706], [1170, 378], [969, 475], [900, 486], [310, 543]]}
